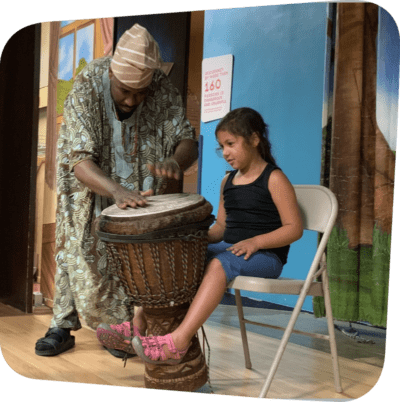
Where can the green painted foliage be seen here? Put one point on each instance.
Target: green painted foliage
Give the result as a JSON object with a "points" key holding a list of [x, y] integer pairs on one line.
{"points": [[358, 279], [64, 87]]}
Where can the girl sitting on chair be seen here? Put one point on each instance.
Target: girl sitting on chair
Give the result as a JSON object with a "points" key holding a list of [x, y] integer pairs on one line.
{"points": [[258, 218]]}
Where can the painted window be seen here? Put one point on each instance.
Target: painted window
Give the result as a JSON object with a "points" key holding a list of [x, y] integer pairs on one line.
{"points": [[75, 51]]}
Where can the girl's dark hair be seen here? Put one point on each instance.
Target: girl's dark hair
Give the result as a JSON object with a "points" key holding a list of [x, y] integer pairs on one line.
{"points": [[244, 122]]}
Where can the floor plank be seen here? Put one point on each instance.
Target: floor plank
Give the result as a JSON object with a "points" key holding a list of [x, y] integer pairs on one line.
{"points": [[305, 371]]}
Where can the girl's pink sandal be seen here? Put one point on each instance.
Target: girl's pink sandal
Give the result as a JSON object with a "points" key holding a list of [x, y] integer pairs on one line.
{"points": [[117, 336], [150, 349]]}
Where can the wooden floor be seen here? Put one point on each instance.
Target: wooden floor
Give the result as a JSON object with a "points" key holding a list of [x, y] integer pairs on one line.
{"points": [[305, 371]]}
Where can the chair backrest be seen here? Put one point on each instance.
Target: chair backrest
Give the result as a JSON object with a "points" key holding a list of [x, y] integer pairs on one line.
{"points": [[318, 206]]}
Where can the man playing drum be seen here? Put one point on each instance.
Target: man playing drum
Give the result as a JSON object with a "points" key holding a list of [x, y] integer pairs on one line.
{"points": [[124, 132]]}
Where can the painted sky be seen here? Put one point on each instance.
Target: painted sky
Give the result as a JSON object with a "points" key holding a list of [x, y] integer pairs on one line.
{"points": [[65, 57], [388, 77], [65, 23], [85, 44], [84, 49]]}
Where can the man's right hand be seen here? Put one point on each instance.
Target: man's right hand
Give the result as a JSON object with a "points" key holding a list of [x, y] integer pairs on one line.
{"points": [[93, 177], [127, 198]]}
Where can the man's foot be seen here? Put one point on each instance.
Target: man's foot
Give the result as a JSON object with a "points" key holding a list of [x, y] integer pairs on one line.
{"points": [[117, 337], [158, 349], [55, 341]]}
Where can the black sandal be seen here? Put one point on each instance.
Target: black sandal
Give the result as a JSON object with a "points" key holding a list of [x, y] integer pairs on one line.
{"points": [[55, 341], [119, 353]]}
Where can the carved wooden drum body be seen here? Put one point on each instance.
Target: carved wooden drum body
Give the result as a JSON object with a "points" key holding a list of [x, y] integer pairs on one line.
{"points": [[159, 253]]}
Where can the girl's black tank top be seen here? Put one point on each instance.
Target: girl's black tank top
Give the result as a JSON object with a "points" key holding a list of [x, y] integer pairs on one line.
{"points": [[250, 210]]}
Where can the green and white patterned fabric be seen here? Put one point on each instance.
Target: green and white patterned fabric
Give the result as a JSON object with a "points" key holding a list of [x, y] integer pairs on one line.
{"points": [[84, 282]]}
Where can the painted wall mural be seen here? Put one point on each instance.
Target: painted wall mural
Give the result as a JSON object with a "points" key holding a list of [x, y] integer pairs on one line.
{"points": [[359, 160], [80, 42]]}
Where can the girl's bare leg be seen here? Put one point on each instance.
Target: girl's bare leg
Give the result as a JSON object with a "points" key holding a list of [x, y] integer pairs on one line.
{"points": [[206, 300], [139, 321]]}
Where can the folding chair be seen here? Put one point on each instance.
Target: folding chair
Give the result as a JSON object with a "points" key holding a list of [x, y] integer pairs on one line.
{"points": [[318, 206]]}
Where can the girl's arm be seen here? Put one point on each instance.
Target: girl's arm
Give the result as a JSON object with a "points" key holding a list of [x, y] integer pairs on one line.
{"points": [[284, 197], [216, 232]]}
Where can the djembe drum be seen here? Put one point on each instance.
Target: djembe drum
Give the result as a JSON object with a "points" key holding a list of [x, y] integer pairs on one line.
{"points": [[159, 253]]}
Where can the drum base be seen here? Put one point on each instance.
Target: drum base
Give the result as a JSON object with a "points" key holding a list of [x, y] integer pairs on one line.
{"points": [[192, 373]]}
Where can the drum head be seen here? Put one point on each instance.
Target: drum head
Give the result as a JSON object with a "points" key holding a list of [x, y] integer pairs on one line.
{"points": [[162, 211], [157, 205]]}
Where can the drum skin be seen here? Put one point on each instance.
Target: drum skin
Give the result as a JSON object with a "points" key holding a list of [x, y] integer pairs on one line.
{"points": [[162, 212]]}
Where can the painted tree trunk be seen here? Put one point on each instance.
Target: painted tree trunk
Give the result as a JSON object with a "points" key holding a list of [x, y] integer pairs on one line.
{"points": [[361, 175], [362, 165]]}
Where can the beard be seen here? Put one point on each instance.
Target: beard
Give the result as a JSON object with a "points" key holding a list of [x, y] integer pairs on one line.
{"points": [[123, 115]]}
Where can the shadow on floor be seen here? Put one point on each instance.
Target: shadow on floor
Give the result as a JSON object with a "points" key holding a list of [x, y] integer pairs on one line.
{"points": [[357, 341]]}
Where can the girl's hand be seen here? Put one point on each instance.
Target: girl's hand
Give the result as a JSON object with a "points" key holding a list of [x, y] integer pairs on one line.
{"points": [[247, 247]]}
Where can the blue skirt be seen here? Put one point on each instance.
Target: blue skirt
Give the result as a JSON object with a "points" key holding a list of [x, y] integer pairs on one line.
{"points": [[261, 264]]}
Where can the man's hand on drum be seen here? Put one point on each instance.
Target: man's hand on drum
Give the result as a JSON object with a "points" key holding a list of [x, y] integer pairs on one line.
{"points": [[169, 168], [127, 198]]}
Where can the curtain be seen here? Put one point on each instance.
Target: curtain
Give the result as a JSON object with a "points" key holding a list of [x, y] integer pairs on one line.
{"points": [[360, 166], [107, 26], [51, 134]]}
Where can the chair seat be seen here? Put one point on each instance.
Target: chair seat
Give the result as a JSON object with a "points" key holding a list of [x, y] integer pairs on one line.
{"points": [[285, 286]]}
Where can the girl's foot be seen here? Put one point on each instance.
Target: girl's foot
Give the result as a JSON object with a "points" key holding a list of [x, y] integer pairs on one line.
{"points": [[158, 349], [118, 336]]}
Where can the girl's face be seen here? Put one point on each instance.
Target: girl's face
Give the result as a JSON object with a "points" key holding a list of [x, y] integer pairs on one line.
{"points": [[236, 150]]}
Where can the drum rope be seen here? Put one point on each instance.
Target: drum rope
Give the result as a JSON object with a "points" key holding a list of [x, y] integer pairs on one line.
{"points": [[185, 263], [205, 248], [196, 260], [125, 254], [156, 259], [119, 238], [171, 261], [116, 264], [115, 261], [120, 256], [187, 232], [138, 251]]}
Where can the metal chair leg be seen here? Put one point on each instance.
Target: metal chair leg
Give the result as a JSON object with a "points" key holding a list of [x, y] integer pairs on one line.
{"points": [[331, 329], [282, 345], [243, 332]]}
